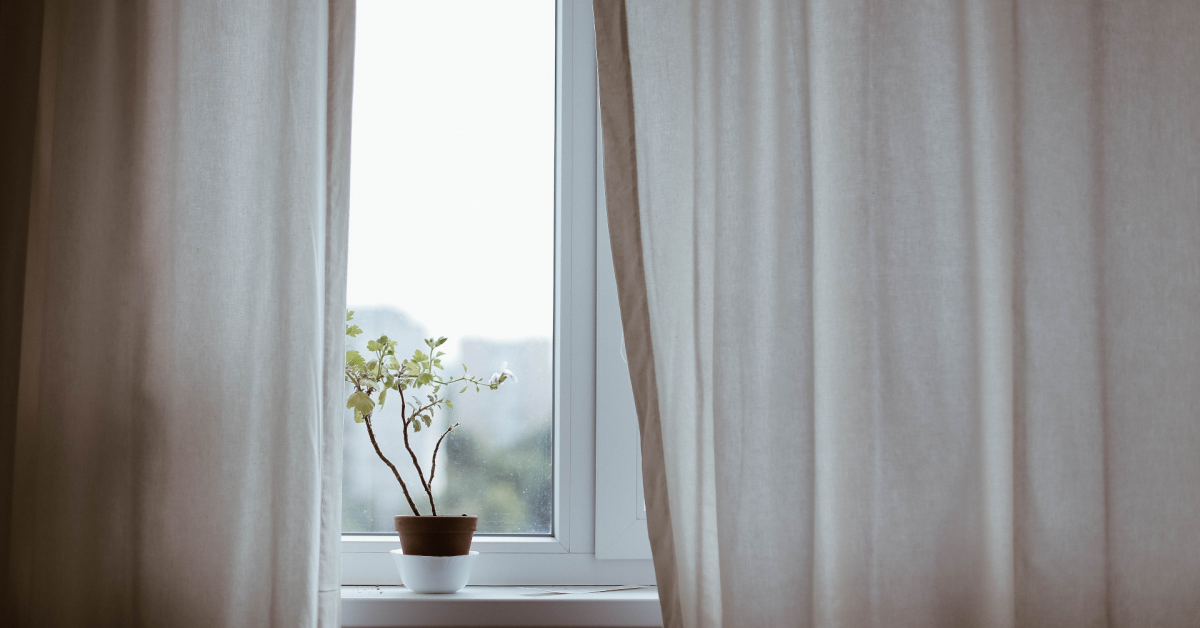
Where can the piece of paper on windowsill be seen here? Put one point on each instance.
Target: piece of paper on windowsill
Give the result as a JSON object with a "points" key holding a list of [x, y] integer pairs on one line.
{"points": [[566, 590]]}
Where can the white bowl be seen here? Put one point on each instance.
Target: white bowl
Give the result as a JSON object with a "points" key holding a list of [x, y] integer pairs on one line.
{"points": [[434, 574]]}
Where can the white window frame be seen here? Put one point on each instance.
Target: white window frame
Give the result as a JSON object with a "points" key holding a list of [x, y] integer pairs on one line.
{"points": [[570, 554], [620, 504]]}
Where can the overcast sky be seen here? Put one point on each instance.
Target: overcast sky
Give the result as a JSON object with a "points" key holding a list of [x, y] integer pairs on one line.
{"points": [[452, 165]]}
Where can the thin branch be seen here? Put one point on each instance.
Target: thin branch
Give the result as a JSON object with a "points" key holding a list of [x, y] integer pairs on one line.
{"points": [[433, 467], [371, 432], [416, 464], [421, 409], [473, 380]]}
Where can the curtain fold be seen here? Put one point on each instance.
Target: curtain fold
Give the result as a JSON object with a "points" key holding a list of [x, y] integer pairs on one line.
{"points": [[175, 433], [921, 283], [620, 181]]}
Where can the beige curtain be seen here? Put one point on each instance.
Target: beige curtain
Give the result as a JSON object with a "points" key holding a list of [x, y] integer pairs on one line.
{"points": [[915, 289], [175, 200]]}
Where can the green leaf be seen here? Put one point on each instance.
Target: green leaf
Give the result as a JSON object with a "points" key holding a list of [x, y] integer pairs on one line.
{"points": [[353, 358], [428, 419], [440, 341], [419, 357], [449, 405], [382, 396], [353, 330], [361, 402], [416, 425], [349, 315], [424, 379], [358, 417], [463, 390], [373, 345]]}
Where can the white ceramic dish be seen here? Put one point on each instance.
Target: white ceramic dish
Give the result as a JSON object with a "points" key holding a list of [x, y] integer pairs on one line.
{"points": [[434, 574]]}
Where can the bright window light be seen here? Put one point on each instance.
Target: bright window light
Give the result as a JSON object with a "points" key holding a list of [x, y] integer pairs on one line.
{"points": [[452, 234]]}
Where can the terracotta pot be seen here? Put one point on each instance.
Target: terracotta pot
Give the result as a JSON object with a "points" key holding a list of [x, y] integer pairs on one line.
{"points": [[443, 535]]}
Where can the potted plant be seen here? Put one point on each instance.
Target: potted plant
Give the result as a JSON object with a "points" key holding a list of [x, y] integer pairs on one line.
{"points": [[423, 389]]}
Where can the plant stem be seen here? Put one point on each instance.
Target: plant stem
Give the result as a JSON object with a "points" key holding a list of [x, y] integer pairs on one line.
{"points": [[424, 408], [371, 432], [416, 464], [433, 467], [420, 475]]}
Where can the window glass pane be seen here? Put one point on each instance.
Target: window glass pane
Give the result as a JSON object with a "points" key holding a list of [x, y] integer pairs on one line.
{"points": [[452, 234]]}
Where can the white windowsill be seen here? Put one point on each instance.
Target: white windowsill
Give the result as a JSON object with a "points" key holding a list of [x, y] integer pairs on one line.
{"points": [[501, 606]]}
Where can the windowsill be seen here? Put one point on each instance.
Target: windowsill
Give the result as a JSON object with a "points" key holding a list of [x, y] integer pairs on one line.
{"points": [[502, 606]]}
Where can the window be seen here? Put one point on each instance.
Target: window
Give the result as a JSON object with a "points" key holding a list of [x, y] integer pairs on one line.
{"points": [[475, 129], [452, 234]]}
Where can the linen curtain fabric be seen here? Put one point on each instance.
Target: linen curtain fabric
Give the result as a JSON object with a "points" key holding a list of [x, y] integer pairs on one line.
{"points": [[919, 287], [175, 188]]}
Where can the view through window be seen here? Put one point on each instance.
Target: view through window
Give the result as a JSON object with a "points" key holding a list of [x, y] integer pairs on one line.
{"points": [[452, 234]]}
